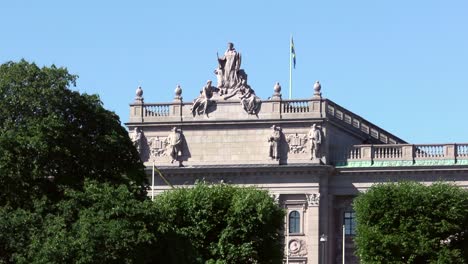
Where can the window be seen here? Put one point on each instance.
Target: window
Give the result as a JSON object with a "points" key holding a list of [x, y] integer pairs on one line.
{"points": [[294, 222], [350, 223]]}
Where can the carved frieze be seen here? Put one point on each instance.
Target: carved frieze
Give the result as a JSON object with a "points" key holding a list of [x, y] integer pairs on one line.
{"points": [[297, 247]]}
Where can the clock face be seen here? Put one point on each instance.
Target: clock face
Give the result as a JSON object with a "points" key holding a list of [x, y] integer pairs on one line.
{"points": [[294, 246]]}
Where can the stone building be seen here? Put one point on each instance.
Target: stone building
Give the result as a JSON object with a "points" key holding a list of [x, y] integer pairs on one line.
{"points": [[312, 155]]}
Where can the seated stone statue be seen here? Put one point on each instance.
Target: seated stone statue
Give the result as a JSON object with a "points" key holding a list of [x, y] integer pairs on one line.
{"points": [[250, 102], [202, 102]]}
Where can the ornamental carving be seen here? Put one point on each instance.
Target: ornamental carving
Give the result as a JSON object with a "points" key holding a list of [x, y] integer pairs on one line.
{"points": [[297, 247], [313, 199], [297, 143], [157, 147]]}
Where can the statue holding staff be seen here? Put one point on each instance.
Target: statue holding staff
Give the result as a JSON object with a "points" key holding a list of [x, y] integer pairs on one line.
{"points": [[229, 65]]}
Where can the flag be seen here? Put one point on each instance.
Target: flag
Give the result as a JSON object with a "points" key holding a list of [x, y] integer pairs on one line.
{"points": [[293, 53]]}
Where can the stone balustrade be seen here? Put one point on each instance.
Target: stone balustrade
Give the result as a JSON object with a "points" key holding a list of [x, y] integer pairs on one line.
{"points": [[405, 155], [273, 109], [295, 106], [336, 112], [155, 110]]}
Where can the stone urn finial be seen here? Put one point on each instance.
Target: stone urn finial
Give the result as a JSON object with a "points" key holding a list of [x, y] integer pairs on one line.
{"points": [[317, 89], [139, 95], [277, 91], [178, 93]]}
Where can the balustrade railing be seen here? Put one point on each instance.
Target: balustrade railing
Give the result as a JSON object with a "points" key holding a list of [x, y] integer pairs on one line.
{"points": [[462, 150], [443, 154], [295, 106], [429, 151], [388, 152], [354, 153], [153, 110]]}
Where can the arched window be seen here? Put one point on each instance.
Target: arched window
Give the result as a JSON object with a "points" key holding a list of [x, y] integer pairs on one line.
{"points": [[350, 223], [294, 222]]}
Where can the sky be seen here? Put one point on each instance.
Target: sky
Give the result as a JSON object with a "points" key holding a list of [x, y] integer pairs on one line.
{"points": [[402, 65]]}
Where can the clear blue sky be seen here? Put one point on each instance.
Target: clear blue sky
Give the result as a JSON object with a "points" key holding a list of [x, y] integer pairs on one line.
{"points": [[402, 65]]}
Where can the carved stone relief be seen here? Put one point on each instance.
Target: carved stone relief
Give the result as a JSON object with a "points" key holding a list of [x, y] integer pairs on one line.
{"points": [[313, 199], [297, 247], [157, 147], [297, 143]]}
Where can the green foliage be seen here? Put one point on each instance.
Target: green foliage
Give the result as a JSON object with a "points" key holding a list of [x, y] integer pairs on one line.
{"points": [[48, 131], [101, 224], [72, 189], [71, 182], [219, 224], [412, 223]]}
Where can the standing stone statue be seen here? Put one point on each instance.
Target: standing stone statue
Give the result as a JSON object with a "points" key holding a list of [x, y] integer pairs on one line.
{"points": [[315, 138], [219, 80], [229, 64], [136, 138], [274, 140], [202, 102], [174, 141]]}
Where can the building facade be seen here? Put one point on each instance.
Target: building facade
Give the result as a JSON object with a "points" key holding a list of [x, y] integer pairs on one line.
{"points": [[312, 155]]}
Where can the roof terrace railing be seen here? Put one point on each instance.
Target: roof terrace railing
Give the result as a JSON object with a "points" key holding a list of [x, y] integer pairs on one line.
{"points": [[406, 154], [316, 107]]}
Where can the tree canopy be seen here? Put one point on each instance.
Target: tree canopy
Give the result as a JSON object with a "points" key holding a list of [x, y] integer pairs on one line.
{"points": [[99, 224], [219, 224], [72, 186], [409, 222], [73, 189], [52, 138]]}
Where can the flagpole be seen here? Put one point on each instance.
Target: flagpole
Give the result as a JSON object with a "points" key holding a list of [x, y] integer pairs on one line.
{"points": [[287, 237], [344, 243], [290, 68], [152, 183]]}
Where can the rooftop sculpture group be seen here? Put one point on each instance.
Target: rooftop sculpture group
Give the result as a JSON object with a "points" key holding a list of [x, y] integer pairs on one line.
{"points": [[231, 82]]}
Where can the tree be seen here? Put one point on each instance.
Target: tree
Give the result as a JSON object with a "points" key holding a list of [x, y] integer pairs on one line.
{"points": [[53, 138], [219, 224], [72, 186], [72, 189], [409, 222]]}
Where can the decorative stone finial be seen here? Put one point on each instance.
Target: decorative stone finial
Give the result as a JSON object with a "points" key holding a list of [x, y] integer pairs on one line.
{"points": [[277, 91], [317, 89], [139, 95], [178, 93]]}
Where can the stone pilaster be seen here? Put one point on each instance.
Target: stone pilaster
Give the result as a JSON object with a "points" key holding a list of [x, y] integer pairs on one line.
{"points": [[313, 203]]}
